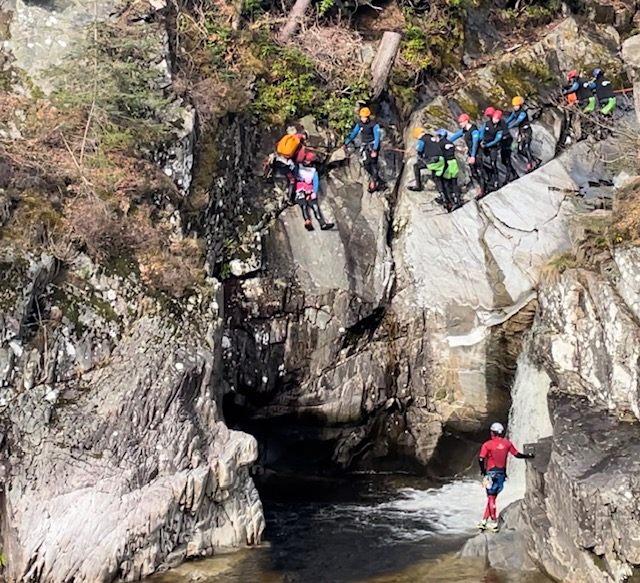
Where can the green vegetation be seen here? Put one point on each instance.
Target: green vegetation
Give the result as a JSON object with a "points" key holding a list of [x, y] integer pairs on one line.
{"points": [[113, 75], [535, 13]]}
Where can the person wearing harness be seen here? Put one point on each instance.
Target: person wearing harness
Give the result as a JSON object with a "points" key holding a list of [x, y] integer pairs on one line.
{"points": [[451, 171], [492, 145], [431, 157], [603, 90], [493, 467], [472, 137], [519, 119], [307, 190], [368, 133], [582, 90]]}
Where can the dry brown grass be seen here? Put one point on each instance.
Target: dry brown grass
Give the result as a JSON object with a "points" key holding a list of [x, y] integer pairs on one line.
{"points": [[626, 215], [104, 207]]}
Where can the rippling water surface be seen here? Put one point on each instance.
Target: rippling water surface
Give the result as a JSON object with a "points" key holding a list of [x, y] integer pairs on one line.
{"points": [[367, 530]]}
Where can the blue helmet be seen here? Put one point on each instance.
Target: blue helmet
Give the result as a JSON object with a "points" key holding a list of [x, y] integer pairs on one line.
{"points": [[597, 72], [442, 133]]}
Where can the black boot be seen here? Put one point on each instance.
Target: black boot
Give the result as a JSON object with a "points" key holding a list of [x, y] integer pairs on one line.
{"points": [[327, 226], [415, 187]]}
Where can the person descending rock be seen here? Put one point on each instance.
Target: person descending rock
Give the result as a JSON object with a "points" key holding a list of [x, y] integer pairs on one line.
{"points": [[472, 138], [431, 157], [603, 90], [581, 91], [307, 190], [519, 119], [493, 467], [289, 152], [451, 171], [492, 145], [368, 134]]}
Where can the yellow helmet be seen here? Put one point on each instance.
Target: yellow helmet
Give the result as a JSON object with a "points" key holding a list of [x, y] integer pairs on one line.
{"points": [[417, 133], [517, 100], [364, 112]]}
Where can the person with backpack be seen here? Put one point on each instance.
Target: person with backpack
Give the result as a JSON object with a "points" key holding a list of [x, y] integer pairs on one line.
{"points": [[603, 90], [289, 152], [581, 90], [519, 119], [472, 137], [451, 170], [368, 135], [493, 468], [307, 188]]}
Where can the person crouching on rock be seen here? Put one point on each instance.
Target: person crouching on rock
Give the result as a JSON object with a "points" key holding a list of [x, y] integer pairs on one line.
{"points": [[307, 189], [604, 93], [430, 157], [493, 467], [369, 135], [290, 151]]}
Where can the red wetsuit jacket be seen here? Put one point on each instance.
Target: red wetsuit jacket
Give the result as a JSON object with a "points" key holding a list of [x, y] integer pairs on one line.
{"points": [[495, 453]]}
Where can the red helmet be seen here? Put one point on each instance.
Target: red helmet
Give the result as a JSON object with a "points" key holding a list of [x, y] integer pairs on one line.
{"points": [[464, 118], [309, 158], [497, 114], [489, 111], [572, 74]]}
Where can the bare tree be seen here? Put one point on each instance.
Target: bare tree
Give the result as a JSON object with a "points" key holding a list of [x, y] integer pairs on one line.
{"points": [[383, 61], [295, 19]]}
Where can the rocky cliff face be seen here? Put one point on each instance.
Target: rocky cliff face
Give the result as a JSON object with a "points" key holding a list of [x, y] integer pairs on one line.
{"points": [[373, 341], [116, 461], [578, 519]]}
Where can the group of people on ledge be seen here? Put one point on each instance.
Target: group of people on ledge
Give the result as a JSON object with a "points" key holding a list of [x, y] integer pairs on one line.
{"points": [[489, 142]]}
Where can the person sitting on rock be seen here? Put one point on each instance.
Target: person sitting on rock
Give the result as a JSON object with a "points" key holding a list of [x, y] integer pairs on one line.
{"points": [[603, 90], [307, 188], [493, 467], [492, 145], [519, 119], [451, 170], [368, 134], [581, 90], [472, 137], [290, 151], [431, 157]]}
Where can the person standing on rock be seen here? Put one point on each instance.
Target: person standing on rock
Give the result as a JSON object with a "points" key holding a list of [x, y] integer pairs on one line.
{"points": [[430, 157], [493, 467], [577, 86], [492, 145], [519, 119], [451, 170], [369, 136], [307, 191], [472, 137], [603, 90]]}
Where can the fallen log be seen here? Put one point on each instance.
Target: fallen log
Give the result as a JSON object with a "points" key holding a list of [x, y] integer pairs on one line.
{"points": [[294, 20], [383, 61]]}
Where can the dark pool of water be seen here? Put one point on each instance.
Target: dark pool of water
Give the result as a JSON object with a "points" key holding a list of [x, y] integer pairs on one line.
{"points": [[364, 530]]}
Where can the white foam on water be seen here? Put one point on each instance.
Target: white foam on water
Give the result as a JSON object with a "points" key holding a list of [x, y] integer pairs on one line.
{"points": [[415, 515]]}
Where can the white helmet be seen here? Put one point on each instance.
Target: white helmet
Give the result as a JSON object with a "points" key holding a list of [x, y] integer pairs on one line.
{"points": [[497, 428]]}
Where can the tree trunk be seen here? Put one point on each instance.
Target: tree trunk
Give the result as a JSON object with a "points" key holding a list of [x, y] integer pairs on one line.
{"points": [[296, 17], [383, 62]]}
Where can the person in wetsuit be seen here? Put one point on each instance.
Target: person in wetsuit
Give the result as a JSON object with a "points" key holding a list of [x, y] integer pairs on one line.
{"points": [[492, 145], [369, 135], [582, 90], [430, 157], [472, 137], [519, 119], [451, 171], [307, 191], [603, 90], [493, 467]]}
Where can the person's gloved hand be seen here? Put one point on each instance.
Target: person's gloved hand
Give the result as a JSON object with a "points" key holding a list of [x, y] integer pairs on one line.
{"points": [[482, 144], [530, 456], [471, 159], [374, 154]]}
